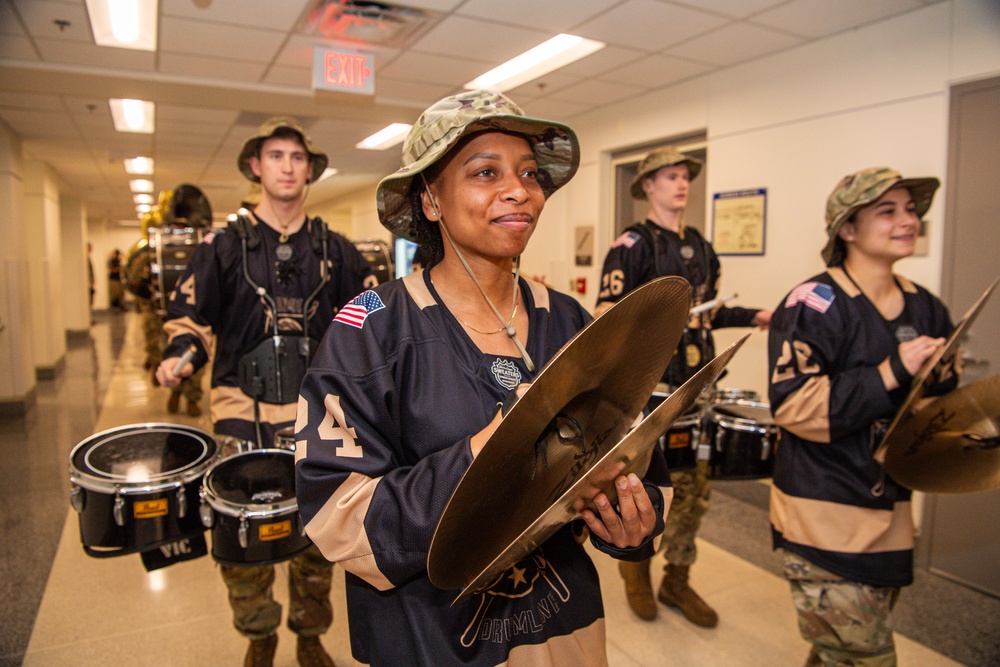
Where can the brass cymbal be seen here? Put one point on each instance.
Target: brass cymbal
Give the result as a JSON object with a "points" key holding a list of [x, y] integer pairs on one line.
{"points": [[576, 409], [631, 454], [942, 362], [952, 445]]}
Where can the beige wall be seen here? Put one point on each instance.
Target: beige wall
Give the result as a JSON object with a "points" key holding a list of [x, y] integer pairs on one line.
{"points": [[44, 244]]}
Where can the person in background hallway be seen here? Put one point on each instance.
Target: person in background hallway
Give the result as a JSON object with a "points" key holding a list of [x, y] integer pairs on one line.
{"points": [[842, 351], [403, 396], [663, 245], [91, 281], [116, 289], [291, 257]]}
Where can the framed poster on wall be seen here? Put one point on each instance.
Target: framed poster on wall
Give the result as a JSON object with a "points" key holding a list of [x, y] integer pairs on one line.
{"points": [[738, 222]]}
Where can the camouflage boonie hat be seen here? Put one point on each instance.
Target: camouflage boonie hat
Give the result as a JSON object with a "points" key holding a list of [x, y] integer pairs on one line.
{"points": [[860, 189], [658, 159], [441, 126], [251, 147]]}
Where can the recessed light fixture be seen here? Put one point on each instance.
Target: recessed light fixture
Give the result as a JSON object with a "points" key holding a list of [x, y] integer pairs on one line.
{"points": [[143, 199], [142, 166], [133, 115], [548, 56], [143, 208], [387, 137], [141, 185], [126, 24]]}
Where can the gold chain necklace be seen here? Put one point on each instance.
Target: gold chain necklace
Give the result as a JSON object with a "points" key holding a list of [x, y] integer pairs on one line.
{"points": [[490, 333]]}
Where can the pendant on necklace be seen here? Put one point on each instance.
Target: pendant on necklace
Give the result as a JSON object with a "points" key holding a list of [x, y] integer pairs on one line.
{"points": [[284, 252], [687, 252]]}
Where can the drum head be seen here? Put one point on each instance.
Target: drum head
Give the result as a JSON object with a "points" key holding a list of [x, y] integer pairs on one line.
{"points": [[143, 453], [758, 413], [257, 477]]}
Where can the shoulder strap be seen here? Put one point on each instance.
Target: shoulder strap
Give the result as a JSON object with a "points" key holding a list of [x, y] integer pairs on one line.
{"points": [[245, 228], [643, 230], [319, 234]]}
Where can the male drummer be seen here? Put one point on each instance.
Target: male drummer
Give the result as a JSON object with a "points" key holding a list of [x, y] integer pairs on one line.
{"points": [[260, 279], [663, 246]]}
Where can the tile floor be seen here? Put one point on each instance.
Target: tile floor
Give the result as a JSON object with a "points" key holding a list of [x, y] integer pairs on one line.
{"points": [[112, 612]]}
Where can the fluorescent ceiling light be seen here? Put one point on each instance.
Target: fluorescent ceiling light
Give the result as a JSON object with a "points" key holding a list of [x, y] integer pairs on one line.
{"points": [[139, 165], [548, 56], [142, 199], [385, 138], [143, 208], [141, 185], [126, 24], [132, 115]]}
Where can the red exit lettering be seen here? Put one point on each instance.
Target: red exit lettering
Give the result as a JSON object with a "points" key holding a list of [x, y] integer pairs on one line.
{"points": [[346, 69]]}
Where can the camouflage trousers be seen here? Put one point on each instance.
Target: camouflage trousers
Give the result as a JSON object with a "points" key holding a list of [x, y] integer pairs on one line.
{"points": [[156, 341], [691, 493], [256, 614], [846, 622]]}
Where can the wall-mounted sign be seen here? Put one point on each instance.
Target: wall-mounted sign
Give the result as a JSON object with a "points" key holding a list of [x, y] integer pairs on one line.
{"points": [[343, 70], [738, 221], [583, 246]]}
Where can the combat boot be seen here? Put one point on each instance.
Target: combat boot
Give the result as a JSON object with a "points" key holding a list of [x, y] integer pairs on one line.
{"points": [[675, 592], [261, 652], [311, 653], [638, 588]]}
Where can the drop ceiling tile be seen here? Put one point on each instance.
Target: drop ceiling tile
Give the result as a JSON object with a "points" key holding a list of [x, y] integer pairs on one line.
{"points": [[460, 37], [30, 123], [555, 15], [427, 68], [271, 14], [819, 18], [605, 60], [17, 48], [734, 43], [648, 24], [595, 92], [9, 24], [31, 101], [733, 8], [221, 68], [656, 71], [214, 40], [551, 109], [298, 77], [39, 18], [543, 86], [82, 53], [410, 92]]}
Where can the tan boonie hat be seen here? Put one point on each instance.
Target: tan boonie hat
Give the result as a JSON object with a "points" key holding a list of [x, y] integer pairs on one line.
{"points": [[860, 189], [441, 126], [658, 159], [251, 147]]}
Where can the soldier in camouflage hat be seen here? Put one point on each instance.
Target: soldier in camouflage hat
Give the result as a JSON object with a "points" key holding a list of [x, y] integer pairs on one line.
{"points": [[415, 370], [658, 159], [863, 188], [280, 126], [843, 351]]}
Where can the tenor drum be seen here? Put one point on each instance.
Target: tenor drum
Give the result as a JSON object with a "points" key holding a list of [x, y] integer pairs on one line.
{"points": [[285, 438], [680, 442], [248, 500], [743, 439], [135, 487], [733, 394]]}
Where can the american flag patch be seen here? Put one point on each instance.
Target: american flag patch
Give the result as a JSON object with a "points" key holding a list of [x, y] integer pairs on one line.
{"points": [[817, 296], [208, 238], [357, 311], [627, 240]]}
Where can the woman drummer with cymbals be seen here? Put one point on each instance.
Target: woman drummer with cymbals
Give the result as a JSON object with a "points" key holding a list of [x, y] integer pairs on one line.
{"points": [[843, 349], [403, 394]]}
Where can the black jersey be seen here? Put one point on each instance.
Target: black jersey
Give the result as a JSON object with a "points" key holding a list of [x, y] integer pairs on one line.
{"points": [[646, 251], [831, 501], [213, 306], [387, 409]]}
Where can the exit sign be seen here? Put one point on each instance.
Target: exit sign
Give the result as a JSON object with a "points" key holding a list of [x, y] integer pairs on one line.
{"points": [[343, 70]]}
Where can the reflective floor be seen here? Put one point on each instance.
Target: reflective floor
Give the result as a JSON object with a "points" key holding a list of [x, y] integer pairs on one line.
{"points": [[60, 607]]}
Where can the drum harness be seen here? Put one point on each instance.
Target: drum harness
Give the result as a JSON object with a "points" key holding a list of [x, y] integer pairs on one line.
{"points": [[272, 353]]}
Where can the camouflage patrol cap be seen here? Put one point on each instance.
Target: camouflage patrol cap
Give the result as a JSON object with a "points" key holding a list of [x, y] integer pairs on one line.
{"points": [[251, 147], [658, 159], [440, 127], [860, 189]]}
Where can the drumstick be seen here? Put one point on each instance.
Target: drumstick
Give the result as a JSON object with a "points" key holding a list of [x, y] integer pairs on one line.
{"points": [[709, 305], [185, 359]]}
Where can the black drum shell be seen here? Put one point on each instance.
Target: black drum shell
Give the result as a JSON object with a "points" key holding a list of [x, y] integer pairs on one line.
{"points": [[94, 494], [741, 447], [680, 442], [274, 530]]}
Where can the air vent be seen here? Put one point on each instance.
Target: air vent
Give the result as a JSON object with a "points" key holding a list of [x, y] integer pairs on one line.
{"points": [[364, 23]]}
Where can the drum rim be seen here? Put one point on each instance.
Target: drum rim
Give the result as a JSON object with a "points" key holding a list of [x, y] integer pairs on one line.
{"points": [[249, 510], [159, 482], [739, 423]]}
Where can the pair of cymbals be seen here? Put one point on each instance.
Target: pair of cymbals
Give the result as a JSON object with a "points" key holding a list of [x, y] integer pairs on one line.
{"points": [[564, 440]]}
